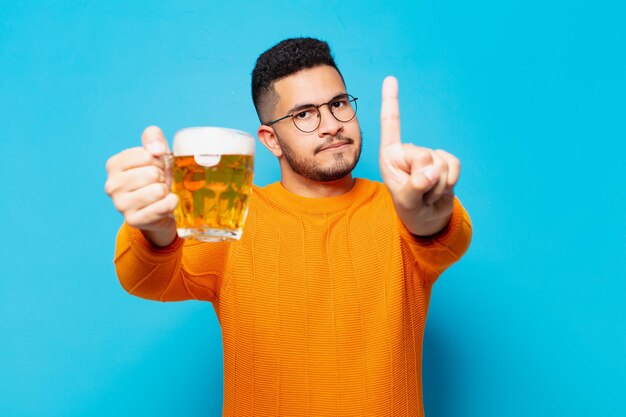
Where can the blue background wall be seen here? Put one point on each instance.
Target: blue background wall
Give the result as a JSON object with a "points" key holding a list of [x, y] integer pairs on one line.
{"points": [[528, 94]]}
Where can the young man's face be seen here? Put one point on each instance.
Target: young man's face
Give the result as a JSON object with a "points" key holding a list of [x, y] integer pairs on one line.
{"points": [[330, 152]]}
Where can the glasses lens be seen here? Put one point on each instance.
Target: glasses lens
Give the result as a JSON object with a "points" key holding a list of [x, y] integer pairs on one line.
{"points": [[307, 119], [344, 108]]}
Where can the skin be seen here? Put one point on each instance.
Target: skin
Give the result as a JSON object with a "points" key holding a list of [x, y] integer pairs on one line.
{"points": [[420, 180], [136, 184], [333, 148]]}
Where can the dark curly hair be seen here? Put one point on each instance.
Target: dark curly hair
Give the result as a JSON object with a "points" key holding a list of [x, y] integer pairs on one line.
{"points": [[281, 60]]}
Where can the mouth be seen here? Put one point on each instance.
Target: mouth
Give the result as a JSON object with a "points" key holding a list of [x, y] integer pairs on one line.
{"points": [[335, 146]]}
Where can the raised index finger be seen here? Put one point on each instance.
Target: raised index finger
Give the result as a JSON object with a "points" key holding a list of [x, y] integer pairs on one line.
{"points": [[390, 113]]}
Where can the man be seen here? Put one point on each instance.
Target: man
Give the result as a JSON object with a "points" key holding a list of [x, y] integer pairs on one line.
{"points": [[323, 301]]}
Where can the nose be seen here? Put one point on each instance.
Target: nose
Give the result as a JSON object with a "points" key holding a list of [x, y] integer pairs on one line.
{"points": [[328, 124]]}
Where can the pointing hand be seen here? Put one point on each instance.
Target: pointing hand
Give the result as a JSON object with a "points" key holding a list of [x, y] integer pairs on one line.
{"points": [[420, 180]]}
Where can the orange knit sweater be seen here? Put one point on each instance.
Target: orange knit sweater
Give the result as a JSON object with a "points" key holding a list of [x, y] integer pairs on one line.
{"points": [[322, 303]]}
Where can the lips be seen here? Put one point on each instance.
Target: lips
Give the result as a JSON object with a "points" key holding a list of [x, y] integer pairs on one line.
{"points": [[335, 145]]}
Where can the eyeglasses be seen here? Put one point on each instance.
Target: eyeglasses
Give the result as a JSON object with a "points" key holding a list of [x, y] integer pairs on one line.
{"points": [[308, 118]]}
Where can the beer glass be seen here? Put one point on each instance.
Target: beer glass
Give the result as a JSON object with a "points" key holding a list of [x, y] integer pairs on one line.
{"points": [[211, 172]]}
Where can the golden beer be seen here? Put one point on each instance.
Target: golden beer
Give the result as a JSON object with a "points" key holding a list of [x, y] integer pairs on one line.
{"points": [[213, 188]]}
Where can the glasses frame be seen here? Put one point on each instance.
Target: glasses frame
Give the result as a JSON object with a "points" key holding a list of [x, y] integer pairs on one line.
{"points": [[351, 99]]}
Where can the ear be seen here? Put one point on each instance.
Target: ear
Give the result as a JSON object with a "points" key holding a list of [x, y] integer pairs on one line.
{"points": [[267, 136]]}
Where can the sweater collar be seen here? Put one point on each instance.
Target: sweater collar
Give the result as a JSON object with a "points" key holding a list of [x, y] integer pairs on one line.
{"points": [[280, 196]]}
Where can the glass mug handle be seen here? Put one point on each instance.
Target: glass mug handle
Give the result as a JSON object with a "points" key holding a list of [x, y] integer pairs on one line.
{"points": [[168, 162], [168, 171]]}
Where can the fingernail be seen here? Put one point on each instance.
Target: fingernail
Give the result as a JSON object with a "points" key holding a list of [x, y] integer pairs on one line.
{"points": [[430, 173], [156, 147]]}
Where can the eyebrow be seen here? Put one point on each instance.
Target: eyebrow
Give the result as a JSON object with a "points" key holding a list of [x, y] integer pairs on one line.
{"points": [[304, 106]]}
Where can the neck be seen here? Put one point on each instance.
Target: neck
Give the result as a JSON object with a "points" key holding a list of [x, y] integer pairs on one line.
{"points": [[305, 187]]}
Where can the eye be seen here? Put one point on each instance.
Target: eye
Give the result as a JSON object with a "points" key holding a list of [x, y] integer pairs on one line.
{"points": [[340, 103], [305, 114]]}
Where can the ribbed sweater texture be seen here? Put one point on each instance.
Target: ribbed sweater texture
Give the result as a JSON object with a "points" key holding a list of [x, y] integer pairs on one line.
{"points": [[322, 303]]}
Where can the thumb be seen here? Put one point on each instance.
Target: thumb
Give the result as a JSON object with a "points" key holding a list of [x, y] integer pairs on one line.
{"points": [[154, 141], [420, 182]]}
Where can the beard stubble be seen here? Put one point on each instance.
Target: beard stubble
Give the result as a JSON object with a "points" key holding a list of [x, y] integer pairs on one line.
{"points": [[311, 169]]}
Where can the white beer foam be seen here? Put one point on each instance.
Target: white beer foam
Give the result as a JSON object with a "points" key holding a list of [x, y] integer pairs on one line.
{"points": [[212, 141]]}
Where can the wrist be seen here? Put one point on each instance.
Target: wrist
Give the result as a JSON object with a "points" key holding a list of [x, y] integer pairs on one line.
{"points": [[160, 238], [429, 228]]}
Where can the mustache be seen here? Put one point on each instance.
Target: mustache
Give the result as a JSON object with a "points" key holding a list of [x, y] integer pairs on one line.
{"points": [[330, 141]]}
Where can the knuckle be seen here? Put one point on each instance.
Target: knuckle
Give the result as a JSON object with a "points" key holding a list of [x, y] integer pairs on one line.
{"points": [[418, 185], [389, 116], [159, 209], [109, 164], [454, 164], [161, 190], [157, 191], [159, 163], [153, 174], [163, 208], [451, 159], [144, 157], [172, 202], [120, 207], [120, 203], [156, 174], [109, 188], [418, 182], [137, 157], [132, 219], [425, 156], [455, 168], [441, 163]]}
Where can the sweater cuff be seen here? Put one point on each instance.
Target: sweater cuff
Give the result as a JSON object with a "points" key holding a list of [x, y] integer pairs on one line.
{"points": [[451, 236], [146, 250]]}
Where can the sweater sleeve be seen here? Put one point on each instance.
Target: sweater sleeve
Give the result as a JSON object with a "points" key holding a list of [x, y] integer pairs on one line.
{"points": [[184, 270], [434, 254]]}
